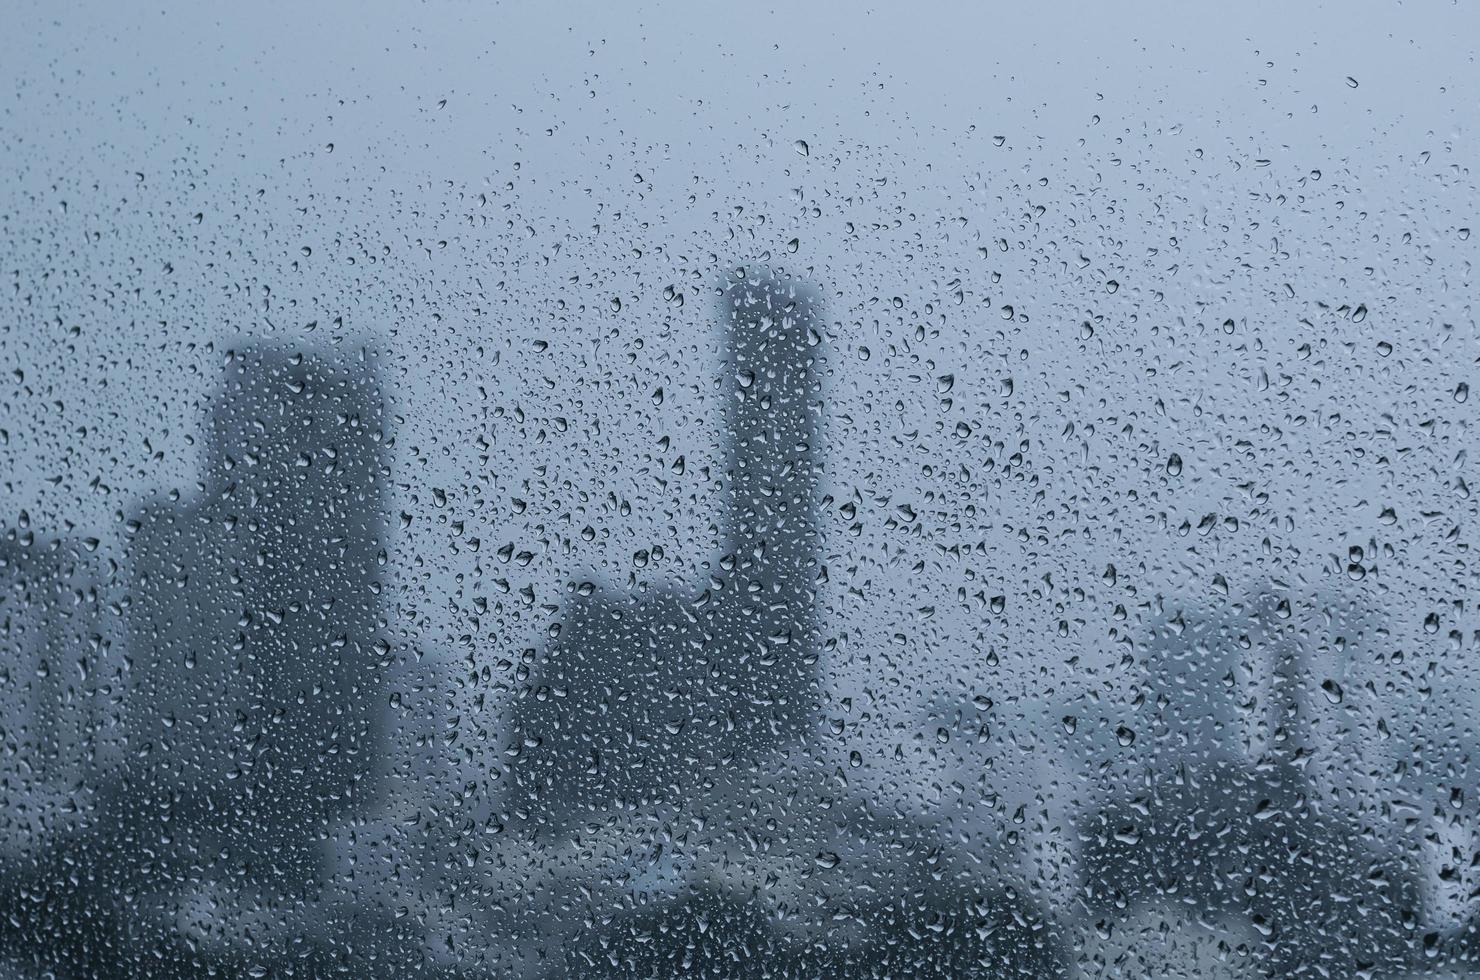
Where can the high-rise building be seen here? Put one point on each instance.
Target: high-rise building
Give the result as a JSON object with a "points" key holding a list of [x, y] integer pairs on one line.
{"points": [[640, 699], [254, 622]]}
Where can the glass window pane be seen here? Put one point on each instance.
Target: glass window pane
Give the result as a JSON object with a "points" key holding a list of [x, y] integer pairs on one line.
{"points": [[671, 491]]}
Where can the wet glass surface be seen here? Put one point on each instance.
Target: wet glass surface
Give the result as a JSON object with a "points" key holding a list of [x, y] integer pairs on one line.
{"points": [[666, 492]]}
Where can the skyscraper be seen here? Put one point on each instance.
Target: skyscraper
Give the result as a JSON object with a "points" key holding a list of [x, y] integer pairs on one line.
{"points": [[638, 699], [253, 627]]}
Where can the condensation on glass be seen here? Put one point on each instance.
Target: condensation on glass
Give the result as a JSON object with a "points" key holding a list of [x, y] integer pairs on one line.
{"points": [[714, 493]]}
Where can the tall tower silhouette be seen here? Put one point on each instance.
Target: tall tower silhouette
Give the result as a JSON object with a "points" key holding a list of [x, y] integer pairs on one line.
{"points": [[205, 758], [639, 699], [254, 619]]}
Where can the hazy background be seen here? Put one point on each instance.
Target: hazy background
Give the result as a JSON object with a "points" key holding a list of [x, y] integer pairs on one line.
{"points": [[1055, 248]]}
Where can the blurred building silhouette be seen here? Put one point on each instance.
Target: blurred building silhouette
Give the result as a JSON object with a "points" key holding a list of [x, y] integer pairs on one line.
{"points": [[204, 759], [253, 627], [1252, 838], [61, 694], [639, 700]]}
